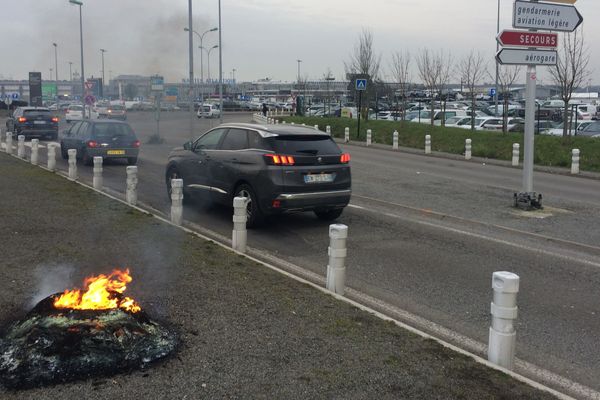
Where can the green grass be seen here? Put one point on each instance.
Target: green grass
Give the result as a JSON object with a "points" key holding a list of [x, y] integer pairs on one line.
{"points": [[549, 150]]}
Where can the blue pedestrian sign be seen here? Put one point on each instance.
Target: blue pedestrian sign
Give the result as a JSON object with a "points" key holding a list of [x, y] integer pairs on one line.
{"points": [[492, 92], [361, 84]]}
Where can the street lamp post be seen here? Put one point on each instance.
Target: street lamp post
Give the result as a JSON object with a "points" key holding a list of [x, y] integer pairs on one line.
{"points": [[497, 65], [298, 112], [70, 71], [102, 51], [201, 37], [220, 68], [216, 46], [79, 3], [191, 56], [56, 62]]}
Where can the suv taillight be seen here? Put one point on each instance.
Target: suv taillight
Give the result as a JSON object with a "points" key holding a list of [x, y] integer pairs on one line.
{"points": [[54, 119], [92, 143], [137, 143], [277, 159], [345, 158], [22, 119]]}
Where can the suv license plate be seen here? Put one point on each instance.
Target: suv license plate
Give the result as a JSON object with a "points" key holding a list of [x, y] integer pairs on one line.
{"points": [[39, 122], [115, 152], [318, 178]]}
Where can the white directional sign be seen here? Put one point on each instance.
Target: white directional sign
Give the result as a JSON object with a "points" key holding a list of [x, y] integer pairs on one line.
{"points": [[550, 17], [527, 57]]}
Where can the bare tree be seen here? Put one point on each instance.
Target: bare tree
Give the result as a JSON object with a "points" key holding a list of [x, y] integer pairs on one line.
{"points": [[507, 76], [473, 68], [571, 70], [400, 71], [364, 61], [434, 71]]}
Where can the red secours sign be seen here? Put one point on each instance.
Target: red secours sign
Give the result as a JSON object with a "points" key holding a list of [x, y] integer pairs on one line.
{"points": [[528, 39]]}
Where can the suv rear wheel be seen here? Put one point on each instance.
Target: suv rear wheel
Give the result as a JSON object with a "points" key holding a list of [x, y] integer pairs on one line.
{"points": [[329, 215], [253, 212]]}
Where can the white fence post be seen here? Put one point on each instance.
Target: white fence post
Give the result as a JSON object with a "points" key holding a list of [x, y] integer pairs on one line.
{"points": [[52, 157], [467, 149], [293, 123], [97, 179], [328, 130], [21, 146], [502, 340], [575, 161], [240, 217], [368, 137], [316, 127], [346, 135], [336, 269], [9, 140], [515, 154], [72, 164], [395, 140], [427, 144], [132, 181], [284, 122], [35, 148], [176, 201]]}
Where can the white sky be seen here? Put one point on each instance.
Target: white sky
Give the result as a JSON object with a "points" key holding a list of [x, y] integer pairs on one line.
{"points": [[261, 38]]}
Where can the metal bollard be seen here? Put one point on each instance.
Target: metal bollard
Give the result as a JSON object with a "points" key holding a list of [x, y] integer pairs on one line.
{"points": [[575, 162], [9, 140], [176, 201], [52, 157], [21, 146], [35, 148], [515, 154], [467, 149], [72, 164], [240, 217], [336, 269], [346, 135], [427, 144], [501, 346], [97, 179], [132, 181], [395, 140], [328, 130], [368, 137]]}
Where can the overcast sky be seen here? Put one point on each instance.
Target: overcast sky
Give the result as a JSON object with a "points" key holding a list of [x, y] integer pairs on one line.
{"points": [[261, 38]]}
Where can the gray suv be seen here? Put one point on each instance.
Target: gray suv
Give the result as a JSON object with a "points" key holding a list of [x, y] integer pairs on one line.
{"points": [[279, 168]]}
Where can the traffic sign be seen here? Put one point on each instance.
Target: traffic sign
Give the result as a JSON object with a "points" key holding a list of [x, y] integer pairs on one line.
{"points": [[492, 92], [528, 39], [361, 84], [89, 99], [544, 16], [527, 57], [89, 85]]}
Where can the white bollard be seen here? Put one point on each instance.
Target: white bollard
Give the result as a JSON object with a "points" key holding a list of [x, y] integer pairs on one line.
{"points": [[502, 340], [575, 162], [21, 146], [240, 217], [293, 123], [346, 135], [72, 164], [336, 269], [284, 122], [176, 201], [427, 144], [316, 127], [368, 137], [395, 140], [52, 157], [97, 179], [467, 149], [328, 130], [9, 140], [132, 181], [35, 148], [515, 154]]}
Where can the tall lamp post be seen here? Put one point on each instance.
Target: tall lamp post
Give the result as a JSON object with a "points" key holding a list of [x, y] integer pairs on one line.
{"points": [[56, 66], [216, 46], [201, 37], [70, 71], [298, 112], [191, 57], [220, 68], [79, 3], [497, 65], [102, 51]]}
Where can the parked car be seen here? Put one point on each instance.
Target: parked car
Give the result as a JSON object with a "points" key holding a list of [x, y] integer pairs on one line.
{"points": [[107, 139], [455, 121], [557, 130], [116, 111], [592, 130], [279, 169], [209, 111], [75, 113], [33, 122], [479, 122], [495, 124]]}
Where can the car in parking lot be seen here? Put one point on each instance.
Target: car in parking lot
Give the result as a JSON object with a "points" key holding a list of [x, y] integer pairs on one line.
{"points": [[590, 130], [209, 110], [116, 111], [279, 169], [75, 113], [33, 122], [104, 138]]}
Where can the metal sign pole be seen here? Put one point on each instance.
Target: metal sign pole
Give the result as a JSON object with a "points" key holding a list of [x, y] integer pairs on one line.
{"points": [[359, 112], [529, 129]]}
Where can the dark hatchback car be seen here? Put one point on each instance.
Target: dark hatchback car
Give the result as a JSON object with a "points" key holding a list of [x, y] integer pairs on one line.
{"points": [[107, 139], [280, 168], [37, 122]]}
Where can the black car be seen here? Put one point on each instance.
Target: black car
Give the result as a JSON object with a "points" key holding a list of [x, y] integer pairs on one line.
{"points": [[105, 138], [280, 168], [33, 122]]}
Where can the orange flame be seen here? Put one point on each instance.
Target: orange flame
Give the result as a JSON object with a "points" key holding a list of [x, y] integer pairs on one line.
{"points": [[100, 294]]}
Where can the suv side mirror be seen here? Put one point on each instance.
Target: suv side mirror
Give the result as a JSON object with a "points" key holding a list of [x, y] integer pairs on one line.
{"points": [[187, 145]]}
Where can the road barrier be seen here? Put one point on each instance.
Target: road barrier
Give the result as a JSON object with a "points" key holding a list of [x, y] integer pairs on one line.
{"points": [[427, 144], [328, 130], [467, 149], [395, 140], [132, 181], [35, 148], [502, 339], [368, 137], [97, 178], [9, 140], [176, 201], [336, 269], [21, 146], [346, 135], [72, 164], [51, 157], [515, 154], [240, 217], [575, 162]]}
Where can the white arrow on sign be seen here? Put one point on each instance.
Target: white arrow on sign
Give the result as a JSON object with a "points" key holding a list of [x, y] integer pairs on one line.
{"points": [[527, 57], [550, 17]]}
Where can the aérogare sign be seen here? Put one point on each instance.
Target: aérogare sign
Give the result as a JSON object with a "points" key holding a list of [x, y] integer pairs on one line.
{"points": [[554, 17]]}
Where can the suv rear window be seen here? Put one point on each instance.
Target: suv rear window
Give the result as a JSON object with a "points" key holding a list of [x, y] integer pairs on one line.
{"points": [[108, 131], [304, 144]]}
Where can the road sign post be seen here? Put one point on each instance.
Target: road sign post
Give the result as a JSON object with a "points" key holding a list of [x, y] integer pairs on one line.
{"points": [[510, 38], [361, 86]]}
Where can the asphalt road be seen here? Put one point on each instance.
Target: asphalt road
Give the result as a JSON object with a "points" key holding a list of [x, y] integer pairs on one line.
{"points": [[426, 234]]}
